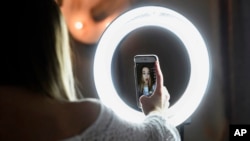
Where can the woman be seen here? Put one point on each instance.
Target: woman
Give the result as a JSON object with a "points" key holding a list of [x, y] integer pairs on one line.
{"points": [[38, 98], [146, 83]]}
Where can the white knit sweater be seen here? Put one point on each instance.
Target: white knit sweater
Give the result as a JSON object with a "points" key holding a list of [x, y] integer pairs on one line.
{"points": [[109, 127]]}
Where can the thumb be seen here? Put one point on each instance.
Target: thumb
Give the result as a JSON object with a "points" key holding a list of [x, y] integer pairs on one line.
{"points": [[159, 78]]}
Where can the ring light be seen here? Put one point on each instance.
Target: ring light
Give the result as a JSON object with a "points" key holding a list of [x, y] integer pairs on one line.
{"points": [[178, 25]]}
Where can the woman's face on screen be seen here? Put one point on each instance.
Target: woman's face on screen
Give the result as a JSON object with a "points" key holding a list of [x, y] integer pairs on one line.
{"points": [[145, 75]]}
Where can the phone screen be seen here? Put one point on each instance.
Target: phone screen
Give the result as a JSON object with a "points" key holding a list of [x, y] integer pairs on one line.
{"points": [[145, 76]]}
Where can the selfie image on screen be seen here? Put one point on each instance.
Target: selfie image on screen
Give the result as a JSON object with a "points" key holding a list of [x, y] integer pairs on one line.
{"points": [[145, 79]]}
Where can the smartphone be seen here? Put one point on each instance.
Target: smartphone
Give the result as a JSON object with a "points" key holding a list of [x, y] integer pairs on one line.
{"points": [[144, 74]]}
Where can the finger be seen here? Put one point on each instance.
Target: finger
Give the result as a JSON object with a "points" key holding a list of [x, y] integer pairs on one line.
{"points": [[159, 76], [166, 93]]}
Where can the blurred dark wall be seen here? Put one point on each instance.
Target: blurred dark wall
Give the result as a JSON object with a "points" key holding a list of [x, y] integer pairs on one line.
{"points": [[236, 48]]}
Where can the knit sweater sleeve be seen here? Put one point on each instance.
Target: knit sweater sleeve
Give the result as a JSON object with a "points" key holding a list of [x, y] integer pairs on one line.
{"points": [[109, 127]]}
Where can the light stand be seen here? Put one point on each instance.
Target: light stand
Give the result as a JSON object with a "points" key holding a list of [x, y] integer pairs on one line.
{"points": [[181, 128]]}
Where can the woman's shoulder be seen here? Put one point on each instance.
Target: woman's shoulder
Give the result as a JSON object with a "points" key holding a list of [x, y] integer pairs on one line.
{"points": [[88, 115], [87, 109], [89, 102]]}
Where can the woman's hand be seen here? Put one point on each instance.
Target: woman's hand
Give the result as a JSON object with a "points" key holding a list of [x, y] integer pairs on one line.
{"points": [[158, 102]]}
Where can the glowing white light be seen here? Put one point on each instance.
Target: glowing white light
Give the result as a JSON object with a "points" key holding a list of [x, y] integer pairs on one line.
{"points": [[178, 25], [78, 25]]}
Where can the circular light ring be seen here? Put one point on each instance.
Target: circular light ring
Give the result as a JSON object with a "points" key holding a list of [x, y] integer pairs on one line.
{"points": [[178, 25]]}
